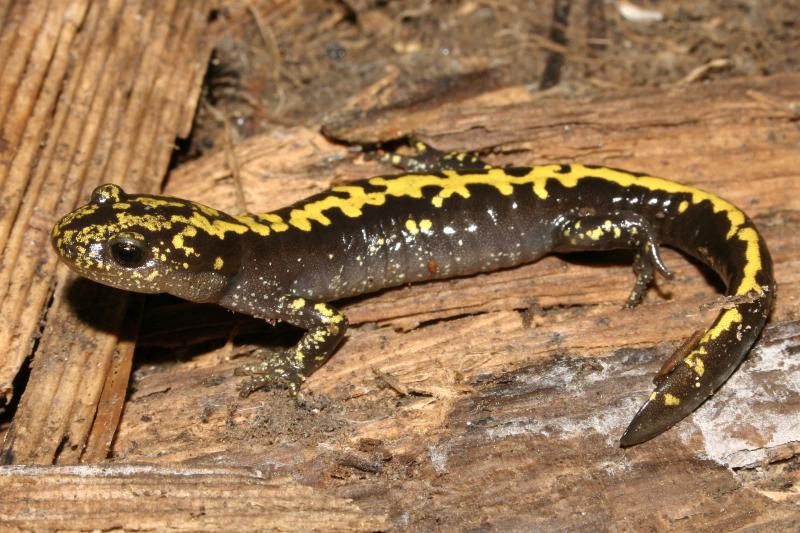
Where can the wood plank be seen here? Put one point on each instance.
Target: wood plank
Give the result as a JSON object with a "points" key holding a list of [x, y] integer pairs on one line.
{"points": [[113, 78], [160, 498]]}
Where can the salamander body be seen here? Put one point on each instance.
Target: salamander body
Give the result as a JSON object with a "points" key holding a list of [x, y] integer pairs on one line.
{"points": [[449, 215]]}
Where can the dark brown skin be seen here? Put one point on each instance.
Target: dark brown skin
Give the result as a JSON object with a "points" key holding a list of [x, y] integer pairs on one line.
{"points": [[452, 216]]}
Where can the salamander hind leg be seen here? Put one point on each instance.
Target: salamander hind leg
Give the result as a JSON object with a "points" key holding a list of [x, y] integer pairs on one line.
{"points": [[325, 328], [429, 159], [622, 230]]}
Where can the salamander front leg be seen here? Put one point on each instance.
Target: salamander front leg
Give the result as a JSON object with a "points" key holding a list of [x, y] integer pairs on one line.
{"points": [[325, 328], [429, 159], [622, 230]]}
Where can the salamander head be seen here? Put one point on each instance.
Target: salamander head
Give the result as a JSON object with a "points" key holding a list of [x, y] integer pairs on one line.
{"points": [[150, 244]]}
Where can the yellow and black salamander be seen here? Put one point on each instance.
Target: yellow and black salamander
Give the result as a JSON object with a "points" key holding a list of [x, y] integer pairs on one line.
{"points": [[448, 215]]}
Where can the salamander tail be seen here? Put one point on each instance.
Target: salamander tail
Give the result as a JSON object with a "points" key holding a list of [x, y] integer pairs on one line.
{"points": [[699, 367]]}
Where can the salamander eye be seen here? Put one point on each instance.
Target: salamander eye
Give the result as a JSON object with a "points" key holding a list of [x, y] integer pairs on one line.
{"points": [[128, 250]]}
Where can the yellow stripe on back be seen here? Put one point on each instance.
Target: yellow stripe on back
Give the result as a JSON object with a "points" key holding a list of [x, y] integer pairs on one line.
{"points": [[450, 183]]}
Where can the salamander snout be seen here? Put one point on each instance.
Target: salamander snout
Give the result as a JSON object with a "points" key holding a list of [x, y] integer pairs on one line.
{"points": [[110, 240]]}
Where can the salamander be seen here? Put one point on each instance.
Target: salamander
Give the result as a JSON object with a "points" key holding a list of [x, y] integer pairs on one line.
{"points": [[448, 214]]}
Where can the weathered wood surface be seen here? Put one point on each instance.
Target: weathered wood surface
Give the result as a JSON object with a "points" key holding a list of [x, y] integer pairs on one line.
{"points": [[487, 402], [89, 90], [498, 399], [169, 498]]}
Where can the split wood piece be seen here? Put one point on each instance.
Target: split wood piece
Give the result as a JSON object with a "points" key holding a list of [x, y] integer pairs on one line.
{"points": [[120, 84], [161, 498]]}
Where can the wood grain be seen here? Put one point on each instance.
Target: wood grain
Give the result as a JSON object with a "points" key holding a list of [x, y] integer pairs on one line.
{"points": [[101, 81], [499, 398], [489, 402], [170, 498]]}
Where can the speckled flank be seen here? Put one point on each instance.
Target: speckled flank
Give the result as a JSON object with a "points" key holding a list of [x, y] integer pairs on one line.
{"points": [[453, 215]]}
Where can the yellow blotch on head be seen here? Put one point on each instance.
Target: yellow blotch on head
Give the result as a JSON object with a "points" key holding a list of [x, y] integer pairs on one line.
{"points": [[218, 263], [179, 243], [216, 227], [150, 222], [155, 203]]}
